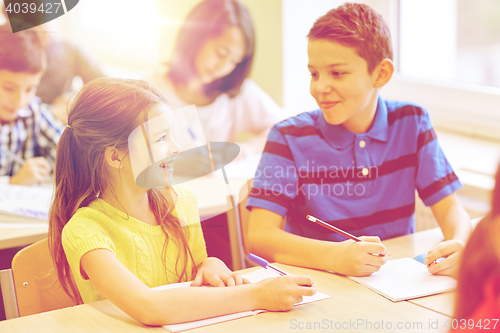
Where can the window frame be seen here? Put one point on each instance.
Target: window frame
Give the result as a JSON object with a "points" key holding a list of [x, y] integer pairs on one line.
{"points": [[466, 108]]}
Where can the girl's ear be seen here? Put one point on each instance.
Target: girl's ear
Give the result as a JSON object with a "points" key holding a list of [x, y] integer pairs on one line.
{"points": [[383, 73], [113, 157]]}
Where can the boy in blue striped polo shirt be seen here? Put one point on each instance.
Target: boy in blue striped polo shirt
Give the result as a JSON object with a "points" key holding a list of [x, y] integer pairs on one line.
{"points": [[355, 163]]}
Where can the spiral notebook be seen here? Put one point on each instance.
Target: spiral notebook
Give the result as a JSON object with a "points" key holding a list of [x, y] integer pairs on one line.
{"points": [[404, 279]]}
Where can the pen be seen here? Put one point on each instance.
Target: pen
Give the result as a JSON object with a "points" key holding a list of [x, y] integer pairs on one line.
{"points": [[14, 156], [265, 264], [337, 230], [196, 140], [200, 144]]}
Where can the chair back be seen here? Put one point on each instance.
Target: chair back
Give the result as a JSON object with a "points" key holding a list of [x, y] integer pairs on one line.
{"points": [[244, 213], [37, 287], [238, 221]]}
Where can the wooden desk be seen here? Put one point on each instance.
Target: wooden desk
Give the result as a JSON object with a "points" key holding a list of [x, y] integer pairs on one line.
{"points": [[20, 236], [350, 303]]}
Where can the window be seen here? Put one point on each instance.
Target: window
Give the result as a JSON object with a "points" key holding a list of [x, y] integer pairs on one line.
{"points": [[451, 40], [478, 42], [449, 62]]}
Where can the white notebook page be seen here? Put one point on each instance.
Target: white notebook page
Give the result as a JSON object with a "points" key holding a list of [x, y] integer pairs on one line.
{"points": [[406, 278], [27, 201]]}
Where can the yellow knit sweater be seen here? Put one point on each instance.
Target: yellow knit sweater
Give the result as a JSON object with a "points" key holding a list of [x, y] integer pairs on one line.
{"points": [[137, 245]]}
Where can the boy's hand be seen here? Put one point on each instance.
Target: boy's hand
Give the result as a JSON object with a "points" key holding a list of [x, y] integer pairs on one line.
{"points": [[34, 171], [451, 250], [358, 259], [215, 273], [281, 293]]}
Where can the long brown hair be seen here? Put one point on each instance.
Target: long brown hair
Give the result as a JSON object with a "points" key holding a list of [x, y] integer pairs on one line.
{"points": [[208, 19], [103, 114], [479, 261]]}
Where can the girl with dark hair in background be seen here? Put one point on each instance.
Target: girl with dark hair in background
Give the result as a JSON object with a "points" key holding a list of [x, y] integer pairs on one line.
{"points": [[209, 68]]}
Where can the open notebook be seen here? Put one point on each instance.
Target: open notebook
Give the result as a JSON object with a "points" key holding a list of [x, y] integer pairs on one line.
{"points": [[254, 276], [25, 204], [406, 278]]}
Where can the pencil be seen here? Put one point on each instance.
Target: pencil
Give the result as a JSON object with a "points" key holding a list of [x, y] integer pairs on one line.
{"points": [[339, 231], [332, 228], [14, 156]]}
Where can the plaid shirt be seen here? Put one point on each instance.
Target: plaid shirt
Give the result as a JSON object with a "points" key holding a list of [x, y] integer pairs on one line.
{"points": [[34, 133]]}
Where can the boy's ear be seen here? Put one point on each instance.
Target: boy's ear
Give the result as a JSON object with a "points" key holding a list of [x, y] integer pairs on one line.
{"points": [[113, 157], [383, 73]]}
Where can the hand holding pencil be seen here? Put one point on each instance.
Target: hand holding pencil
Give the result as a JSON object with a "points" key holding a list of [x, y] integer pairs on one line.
{"points": [[34, 171], [363, 257], [280, 294]]}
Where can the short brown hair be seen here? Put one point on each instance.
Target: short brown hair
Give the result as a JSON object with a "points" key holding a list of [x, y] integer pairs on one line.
{"points": [[207, 19], [357, 26], [21, 51]]}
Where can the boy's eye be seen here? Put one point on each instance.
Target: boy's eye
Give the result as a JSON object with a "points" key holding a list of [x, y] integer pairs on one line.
{"points": [[337, 73], [8, 89], [315, 75]]}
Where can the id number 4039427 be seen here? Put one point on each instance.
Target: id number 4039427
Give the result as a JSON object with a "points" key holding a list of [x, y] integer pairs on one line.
{"points": [[483, 324], [48, 8]]}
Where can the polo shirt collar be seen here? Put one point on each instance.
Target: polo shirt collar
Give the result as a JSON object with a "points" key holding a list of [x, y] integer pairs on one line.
{"points": [[380, 127], [336, 135], [341, 138]]}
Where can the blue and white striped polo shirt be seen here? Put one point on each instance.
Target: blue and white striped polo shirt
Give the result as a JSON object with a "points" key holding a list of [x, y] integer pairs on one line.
{"points": [[362, 183]]}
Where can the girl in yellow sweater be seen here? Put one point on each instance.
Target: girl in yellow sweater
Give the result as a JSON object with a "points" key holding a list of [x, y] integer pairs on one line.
{"points": [[113, 237]]}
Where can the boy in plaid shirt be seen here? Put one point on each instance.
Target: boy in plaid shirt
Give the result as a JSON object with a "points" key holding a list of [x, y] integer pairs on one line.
{"points": [[27, 128]]}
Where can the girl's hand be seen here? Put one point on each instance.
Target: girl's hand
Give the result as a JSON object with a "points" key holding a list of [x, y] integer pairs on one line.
{"points": [[280, 294], [451, 250], [215, 273]]}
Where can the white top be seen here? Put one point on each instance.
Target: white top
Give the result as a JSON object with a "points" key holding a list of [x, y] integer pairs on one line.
{"points": [[251, 111]]}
